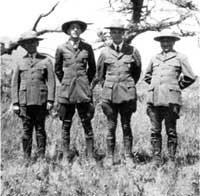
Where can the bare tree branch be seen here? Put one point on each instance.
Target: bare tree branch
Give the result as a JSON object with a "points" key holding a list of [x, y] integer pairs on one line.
{"points": [[187, 4], [58, 30], [44, 15]]}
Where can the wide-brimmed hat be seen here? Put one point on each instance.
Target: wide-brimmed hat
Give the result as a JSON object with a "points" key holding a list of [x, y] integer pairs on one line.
{"points": [[167, 34], [116, 24], [66, 25], [29, 35]]}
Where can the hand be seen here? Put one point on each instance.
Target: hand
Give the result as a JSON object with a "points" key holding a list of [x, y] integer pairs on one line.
{"points": [[49, 105], [16, 109]]}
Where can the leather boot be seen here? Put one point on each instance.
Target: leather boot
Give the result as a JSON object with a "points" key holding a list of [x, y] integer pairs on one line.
{"points": [[172, 150], [109, 159], [66, 148], [128, 151], [90, 149], [27, 147], [157, 147], [41, 146], [66, 139]]}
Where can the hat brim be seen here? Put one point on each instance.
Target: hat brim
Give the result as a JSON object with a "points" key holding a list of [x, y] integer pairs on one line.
{"points": [[66, 25], [121, 28], [159, 38], [21, 41]]}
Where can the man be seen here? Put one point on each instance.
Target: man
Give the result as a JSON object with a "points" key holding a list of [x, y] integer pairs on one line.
{"points": [[75, 68], [33, 92], [118, 70], [167, 74]]}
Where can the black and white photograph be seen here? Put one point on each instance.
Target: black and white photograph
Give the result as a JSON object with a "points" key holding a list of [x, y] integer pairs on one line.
{"points": [[100, 98]]}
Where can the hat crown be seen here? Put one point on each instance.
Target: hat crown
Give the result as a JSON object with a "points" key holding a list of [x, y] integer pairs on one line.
{"points": [[116, 24], [66, 25], [28, 35], [167, 33]]}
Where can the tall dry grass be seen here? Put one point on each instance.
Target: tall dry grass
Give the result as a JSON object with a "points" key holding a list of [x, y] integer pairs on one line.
{"points": [[56, 178]]}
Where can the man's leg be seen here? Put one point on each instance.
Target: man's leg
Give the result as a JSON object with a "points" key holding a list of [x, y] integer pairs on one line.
{"points": [[86, 114], [27, 124], [111, 113], [155, 116], [126, 113], [39, 116], [66, 112], [170, 124]]}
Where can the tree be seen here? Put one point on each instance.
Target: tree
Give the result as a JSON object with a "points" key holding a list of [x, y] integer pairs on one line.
{"points": [[14, 44], [142, 16], [156, 15]]}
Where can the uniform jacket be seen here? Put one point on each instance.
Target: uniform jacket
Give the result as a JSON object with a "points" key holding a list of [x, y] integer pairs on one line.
{"points": [[119, 73], [33, 81], [75, 70], [167, 75]]}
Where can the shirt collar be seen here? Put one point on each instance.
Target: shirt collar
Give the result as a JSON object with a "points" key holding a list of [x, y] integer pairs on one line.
{"points": [[32, 55], [120, 45], [73, 43]]}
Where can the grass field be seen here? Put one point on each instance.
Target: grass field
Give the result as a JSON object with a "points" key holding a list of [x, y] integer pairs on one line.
{"points": [[82, 178]]}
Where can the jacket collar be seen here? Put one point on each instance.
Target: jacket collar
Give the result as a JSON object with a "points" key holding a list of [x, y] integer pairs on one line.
{"points": [[122, 51], [166, 56]]}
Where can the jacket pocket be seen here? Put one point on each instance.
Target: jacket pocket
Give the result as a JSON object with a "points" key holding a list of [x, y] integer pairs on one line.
{"points": [[109, 61], [150, 96], [175, 95], [107, 90], [132, 90], [64, 89]]}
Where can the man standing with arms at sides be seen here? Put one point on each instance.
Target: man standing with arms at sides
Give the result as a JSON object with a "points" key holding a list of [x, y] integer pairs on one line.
{"points": [[167, 74], [33, 92], [118, 70], [75, 68]]}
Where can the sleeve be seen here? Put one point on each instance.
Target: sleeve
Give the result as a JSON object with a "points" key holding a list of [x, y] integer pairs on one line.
{"points": [[15, 86], [59, 64], [51, 83], [136, 69], [101, 69], [148, 73], [187, 76], [91, 71]]}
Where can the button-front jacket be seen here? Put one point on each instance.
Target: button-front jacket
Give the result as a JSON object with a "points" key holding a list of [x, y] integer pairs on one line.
{"points": [[167, 75], [33, 81], [75, 70], [119, 73]]}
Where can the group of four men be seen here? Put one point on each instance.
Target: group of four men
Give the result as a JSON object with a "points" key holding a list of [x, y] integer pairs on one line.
{"points": [[118, 70]]}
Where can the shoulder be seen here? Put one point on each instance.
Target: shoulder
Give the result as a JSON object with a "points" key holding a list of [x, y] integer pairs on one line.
{"points": [[61, 46], [181, 56], [85, 45], [46, 57]]}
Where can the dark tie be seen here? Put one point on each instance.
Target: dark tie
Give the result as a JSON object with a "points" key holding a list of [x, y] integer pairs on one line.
{"points": [[117, 49]]}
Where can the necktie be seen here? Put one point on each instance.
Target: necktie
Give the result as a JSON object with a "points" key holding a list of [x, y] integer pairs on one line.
{"points": [[117, 49]]}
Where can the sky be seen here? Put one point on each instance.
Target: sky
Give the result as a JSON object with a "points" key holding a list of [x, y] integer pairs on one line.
{"points": [[19, 16]]}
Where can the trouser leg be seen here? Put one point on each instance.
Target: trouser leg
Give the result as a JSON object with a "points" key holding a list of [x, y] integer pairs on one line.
{"points": [[156, 125], [111, 112], [86, 112], [66, 112], [27, 124], [170, 124], [127, 134], [66, 138], [89, 138], [39, 114]]}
